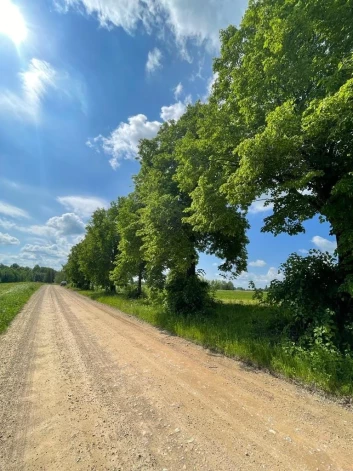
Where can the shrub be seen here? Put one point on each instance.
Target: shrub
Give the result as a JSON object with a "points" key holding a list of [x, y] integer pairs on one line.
{"points": [[187, 295], [310, 292]]}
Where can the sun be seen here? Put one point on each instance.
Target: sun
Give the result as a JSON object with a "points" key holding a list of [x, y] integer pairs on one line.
{"points": [[11, 22]]}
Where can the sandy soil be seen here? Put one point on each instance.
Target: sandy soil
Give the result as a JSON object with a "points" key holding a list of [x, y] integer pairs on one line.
{"points": [[85, 387]]}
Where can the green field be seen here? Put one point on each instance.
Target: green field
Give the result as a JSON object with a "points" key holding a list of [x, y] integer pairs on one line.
{"points": [[13, 296], [247, 331], [235, 297]]}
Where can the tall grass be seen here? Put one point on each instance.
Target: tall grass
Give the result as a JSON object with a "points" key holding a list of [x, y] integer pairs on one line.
{"points": [[251, 333], [13, 296]]}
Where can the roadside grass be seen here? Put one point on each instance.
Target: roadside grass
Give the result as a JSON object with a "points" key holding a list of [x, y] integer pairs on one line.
{"points": [[248, 332], [13, 296]]}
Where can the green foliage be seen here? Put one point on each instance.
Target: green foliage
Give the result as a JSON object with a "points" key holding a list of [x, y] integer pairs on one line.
{"points": [[285, 81], [187, 295], [98, 250], [129, 262], [73, 270], [309, 291], [13, 296], [221, 284], [181, 217], [60, 276], [15, 273]]}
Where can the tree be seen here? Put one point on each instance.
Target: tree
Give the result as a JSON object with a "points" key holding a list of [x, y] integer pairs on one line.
{"points": [[203, 154], [73, 269], [285, 80], [129, 262], [60, 276], [174, 230], [16, 273], [99, 247]]}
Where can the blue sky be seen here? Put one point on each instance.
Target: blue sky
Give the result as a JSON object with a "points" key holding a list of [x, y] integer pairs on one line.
{"points": [[81, 81]]}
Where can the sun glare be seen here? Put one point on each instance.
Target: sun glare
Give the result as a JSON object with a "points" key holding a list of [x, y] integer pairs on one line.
{"points": [[11, 22]]}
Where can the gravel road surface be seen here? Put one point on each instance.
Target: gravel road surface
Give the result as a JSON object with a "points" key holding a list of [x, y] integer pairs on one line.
{"points": [[86, 387]]}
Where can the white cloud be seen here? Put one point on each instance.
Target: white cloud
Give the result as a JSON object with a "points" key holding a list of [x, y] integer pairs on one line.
{"points": [[123, 141], [6, 224], [178, 90], [154, 60], [210, 82], [260, 280], [84, 206], [49, 244], [198, 21], [36, 80], [67, 224], [324, 244], [258, 206], [49, 250], [303, 251], [6, 239], [257, 263], [52, 255], [12, 211], [173, 112]]}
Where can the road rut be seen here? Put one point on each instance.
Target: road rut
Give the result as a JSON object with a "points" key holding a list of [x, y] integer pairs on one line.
{"points": [[86, 387]]}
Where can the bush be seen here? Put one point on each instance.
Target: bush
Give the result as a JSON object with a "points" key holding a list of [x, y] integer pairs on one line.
{"points": [[310, 292], [187, 295]]}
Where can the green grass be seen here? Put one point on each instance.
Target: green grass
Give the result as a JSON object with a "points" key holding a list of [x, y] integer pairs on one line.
{"points": [[249, 332], [13, 296], [236, 296]]}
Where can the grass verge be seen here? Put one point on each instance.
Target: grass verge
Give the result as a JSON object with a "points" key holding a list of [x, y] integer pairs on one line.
{"points": [[13, 296], [251, 333]]}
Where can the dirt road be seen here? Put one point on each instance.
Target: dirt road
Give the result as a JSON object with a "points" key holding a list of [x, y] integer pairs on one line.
{"points": [[84, 387]]}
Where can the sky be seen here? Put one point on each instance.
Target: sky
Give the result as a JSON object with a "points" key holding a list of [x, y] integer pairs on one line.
{"points": [[81, 81]]}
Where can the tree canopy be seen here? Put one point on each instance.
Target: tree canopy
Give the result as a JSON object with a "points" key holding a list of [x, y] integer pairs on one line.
{"points": [[285, 82], [277, 127]]}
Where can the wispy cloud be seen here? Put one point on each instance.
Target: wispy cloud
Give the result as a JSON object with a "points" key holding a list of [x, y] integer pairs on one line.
{"points": [[303, 251], [36, 80], [257, 263], [209, 87], [7, 239], [154, 60], [84, 206], [197, 21], [324, 244], [178, 90], [260, 280], [261, 205], [12, 211]]}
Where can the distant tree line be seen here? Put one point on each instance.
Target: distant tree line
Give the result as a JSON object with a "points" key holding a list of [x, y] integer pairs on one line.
{"points": [[224, 285], [16, 273]]}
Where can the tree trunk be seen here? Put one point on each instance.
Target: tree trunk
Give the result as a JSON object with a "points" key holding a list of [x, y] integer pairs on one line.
{"points": [[139, 281], [191, 271]]}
